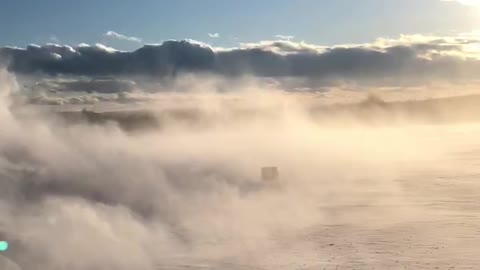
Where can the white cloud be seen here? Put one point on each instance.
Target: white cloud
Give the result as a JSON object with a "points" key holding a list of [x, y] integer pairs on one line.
{"points": [[214, 35], [54, 38], [102, 47], [113, 34], [284, 37]]}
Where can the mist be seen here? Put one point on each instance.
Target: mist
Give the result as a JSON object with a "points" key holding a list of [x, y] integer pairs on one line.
{"points": [[187, 192]]}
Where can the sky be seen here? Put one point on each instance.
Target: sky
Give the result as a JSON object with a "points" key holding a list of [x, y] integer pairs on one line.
{"points": [[127, 24]]}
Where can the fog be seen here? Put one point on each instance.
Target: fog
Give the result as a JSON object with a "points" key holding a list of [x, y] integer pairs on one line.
{"points": [[188, 194]]}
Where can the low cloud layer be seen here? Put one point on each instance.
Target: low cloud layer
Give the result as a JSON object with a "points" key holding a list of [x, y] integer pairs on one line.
{"points": [[406, 60]]}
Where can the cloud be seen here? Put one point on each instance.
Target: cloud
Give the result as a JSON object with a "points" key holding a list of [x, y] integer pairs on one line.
{"points": [[214, 35], [407, 59], [465, 2], [113, 34], [54, 38], [284, 37]]}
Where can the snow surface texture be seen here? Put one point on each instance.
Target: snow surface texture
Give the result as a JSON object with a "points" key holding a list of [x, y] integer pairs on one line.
{"points": [[352, 196]]}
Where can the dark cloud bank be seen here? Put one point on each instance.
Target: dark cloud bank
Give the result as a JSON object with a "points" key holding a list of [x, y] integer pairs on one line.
{"points": [[394, 60]]}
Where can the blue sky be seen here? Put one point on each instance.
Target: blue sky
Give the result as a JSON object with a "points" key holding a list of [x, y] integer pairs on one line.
{"points": [[326, 22]]}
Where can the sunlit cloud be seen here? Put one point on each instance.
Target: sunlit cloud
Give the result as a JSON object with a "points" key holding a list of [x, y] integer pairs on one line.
{"points": [[466, 2], [284, 37], [113, 34], [214, 35]]}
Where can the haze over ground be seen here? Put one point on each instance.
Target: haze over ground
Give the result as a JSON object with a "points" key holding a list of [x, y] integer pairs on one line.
{"points": [[149, 156]]}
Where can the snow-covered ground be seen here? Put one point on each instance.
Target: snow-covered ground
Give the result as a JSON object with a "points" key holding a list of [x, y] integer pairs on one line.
{"points": [[351, 195]]}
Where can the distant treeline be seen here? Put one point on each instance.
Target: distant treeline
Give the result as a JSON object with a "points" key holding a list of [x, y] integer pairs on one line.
{"points": [[373, 110]]}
